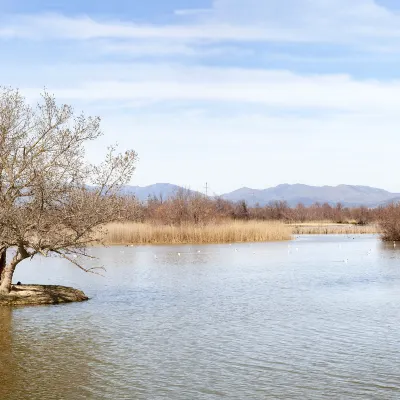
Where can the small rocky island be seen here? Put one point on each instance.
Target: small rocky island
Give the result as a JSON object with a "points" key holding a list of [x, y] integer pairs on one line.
{"points": [[25, 295]]}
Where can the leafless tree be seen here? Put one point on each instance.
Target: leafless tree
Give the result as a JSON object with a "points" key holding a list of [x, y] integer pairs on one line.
{"points": [[389, 222], [52, 202]]}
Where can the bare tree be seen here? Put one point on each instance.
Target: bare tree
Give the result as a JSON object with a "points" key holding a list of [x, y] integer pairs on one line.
{"points": [[51, 201], [389, 222]]}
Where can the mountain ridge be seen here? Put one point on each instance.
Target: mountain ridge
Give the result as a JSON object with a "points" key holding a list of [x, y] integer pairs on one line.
{"points": [[348, 195]]}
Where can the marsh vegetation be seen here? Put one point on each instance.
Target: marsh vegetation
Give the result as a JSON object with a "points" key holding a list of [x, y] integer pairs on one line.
{"points": [[228, 232], [188, 217]]}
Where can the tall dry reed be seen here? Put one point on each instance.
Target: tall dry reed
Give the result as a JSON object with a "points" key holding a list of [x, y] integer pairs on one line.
{"points": [[334, 229], [230, 232]]}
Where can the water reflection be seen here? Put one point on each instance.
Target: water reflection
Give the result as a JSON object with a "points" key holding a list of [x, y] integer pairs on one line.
{"points": [[41, 358], [268, 321], [7, 365], [390, 247]]}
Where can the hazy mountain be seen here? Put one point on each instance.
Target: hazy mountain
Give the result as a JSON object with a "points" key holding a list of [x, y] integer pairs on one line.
{"points": [[348, 195], [165, 190], [391, 200]]}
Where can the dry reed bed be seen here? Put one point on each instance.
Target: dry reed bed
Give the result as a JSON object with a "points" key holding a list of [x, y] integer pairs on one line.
{"points": [[228, 232], [334, 229], [235, 232]]}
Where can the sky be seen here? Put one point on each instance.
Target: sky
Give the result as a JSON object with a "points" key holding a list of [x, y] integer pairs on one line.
{"points": [[234, 93]]}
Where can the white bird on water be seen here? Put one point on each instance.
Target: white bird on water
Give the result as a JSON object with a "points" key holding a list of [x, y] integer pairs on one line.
{"points": [[179, 254]]}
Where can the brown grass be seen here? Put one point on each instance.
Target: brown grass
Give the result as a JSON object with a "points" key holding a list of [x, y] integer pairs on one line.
{"points": [[229, 232], [332, 229]]}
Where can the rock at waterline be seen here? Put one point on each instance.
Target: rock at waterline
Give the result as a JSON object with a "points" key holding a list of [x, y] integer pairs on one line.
{"points": [[29, 295]]}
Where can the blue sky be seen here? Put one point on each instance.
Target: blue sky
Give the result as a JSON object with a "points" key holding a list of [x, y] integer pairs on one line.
{"points": [[230, 92]]}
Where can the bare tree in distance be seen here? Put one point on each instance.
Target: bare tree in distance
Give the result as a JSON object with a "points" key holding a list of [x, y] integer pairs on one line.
{"points": [[46, 205]]}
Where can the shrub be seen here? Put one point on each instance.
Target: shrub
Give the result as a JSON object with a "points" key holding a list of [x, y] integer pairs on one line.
{"points": [[389, 222]]}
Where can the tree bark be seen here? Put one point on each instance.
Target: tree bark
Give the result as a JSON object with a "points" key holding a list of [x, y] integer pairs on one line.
{"points": [[6, 279], [3, 259], [8, 270]]}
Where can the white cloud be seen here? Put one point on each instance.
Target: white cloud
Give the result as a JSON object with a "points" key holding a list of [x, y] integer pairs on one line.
{"points": [[280, 90], [260, 143], [165, 48], [193, 12], [57, 26], [339, 21], [258, 150], [331, 20], [251, 122]]}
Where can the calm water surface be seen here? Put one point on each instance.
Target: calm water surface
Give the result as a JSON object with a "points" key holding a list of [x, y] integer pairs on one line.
{"points": [[260, 321]]}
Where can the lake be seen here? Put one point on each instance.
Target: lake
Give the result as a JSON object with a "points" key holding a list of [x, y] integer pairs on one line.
{"points": [[315, 318]]}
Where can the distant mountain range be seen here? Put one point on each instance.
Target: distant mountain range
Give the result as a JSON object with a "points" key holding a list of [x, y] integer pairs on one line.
{"points": [[163, 190], [348, 195]]}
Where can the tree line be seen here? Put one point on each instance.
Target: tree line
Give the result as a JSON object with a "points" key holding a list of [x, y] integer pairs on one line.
{"points": [[186, 207]]}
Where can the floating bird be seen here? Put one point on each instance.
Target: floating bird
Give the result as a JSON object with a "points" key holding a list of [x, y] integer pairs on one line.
{"points": [[236, 250], [155, 256], [198, 251], [179, 254]]}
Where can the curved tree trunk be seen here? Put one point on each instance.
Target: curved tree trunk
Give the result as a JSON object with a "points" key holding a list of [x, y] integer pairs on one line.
{"points": [[8, 270], [6, 278], [2, 263]]}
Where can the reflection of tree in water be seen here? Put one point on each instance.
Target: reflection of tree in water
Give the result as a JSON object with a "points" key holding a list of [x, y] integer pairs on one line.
{"points": [[40, 359], [7, 371]]}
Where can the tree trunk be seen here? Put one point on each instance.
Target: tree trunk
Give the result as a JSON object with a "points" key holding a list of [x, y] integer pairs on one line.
{"points": [[6, 278], [8, 270], [2, 263]]}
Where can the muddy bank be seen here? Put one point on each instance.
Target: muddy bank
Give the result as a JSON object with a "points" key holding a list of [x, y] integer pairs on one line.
{"points": [[29, 295]]}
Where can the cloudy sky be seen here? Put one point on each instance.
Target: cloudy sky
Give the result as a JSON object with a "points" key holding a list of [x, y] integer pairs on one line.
{"points": [[230, 92]]}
